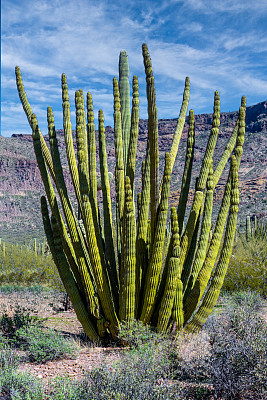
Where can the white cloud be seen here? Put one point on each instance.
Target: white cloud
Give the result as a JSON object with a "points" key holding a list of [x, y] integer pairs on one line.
{"points": [[83, 39]]}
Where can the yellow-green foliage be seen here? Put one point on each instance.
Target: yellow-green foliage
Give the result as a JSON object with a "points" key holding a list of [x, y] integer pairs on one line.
{"points": [[248, 266], [20, 265]]}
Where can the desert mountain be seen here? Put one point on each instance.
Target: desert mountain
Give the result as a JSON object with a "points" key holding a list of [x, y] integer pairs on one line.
{"points": [[21, 186]]}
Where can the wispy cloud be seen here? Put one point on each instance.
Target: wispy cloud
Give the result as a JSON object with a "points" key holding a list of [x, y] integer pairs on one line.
{"points": [[220, 45]]}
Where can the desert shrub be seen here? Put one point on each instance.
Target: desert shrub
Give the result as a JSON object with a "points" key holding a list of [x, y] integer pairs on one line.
{"points": [[238, 354], [22, 266], [244, 299], [142, 372], [44, 344], [63, 388], [26, 332], [21, 318], [20, 386], [139, 336], [8, 358], [248, 266], [191, 358], [14, 385]]}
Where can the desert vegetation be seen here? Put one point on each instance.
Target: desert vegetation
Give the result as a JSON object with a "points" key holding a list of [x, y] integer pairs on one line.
{"points": [[225, 360], [131, 269], [159, 295]]}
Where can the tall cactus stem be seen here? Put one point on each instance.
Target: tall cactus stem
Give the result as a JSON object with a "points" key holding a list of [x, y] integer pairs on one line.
{"points": [[54, 242], [152, 139], [130, 170], [108, 228], [87, 283], [212, 294], [127, 287], [142, 229], [203, 175], [187, 171], [155, 262], [92, 155], [173, 275], [69, 140], [124, 87], [119, 175], [204, 235], [180, 122]]}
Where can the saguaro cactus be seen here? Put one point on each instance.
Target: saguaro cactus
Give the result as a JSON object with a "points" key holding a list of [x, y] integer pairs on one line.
{"points": [[137, 276]]}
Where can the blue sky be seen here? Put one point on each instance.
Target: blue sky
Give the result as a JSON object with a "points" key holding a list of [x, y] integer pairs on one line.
{"points": [[221, 45]]}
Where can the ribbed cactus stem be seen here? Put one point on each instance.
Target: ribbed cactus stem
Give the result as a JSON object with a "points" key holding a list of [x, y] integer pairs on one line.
{"points": [[231, 143], [180, 122], [142, 228], [189, 260], [55, 245], [108, 228], [155, 262], [92, 154], [22, 95], [119, 174], [82, 267], [94, 246], [190, 226], [203, 175], [214, 246], [187, 171], [80, 121], [241, 135], [124, 87], [212, 294], [69, 140], [130, 170], [61, 186], [204, 235], [127, 287], [152, 139], [173, 275]]}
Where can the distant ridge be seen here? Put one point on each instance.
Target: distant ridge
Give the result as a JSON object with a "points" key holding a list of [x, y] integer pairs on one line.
{"points": [[21, 186]]}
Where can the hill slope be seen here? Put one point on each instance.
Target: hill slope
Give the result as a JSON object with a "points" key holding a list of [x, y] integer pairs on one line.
{"points": [[21, 186]]}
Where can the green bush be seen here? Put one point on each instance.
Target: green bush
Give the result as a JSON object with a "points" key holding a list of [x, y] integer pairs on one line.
{"points": [[14, 385], [139, 336], [22, 266], [8, 358], [26, 332], [238, 354], [244, 299], [63, 388], [44, 344], [9, 325], [143, 371], [20, 386], [248, 266]]}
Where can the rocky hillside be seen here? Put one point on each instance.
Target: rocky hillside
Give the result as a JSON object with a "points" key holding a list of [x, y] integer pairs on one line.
{"points": [[21, 186]]}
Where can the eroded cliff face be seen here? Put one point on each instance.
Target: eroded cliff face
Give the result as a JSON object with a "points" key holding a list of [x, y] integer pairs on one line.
{"points": [[21, 186]]}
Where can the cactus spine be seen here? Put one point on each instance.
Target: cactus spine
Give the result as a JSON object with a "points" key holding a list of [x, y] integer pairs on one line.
{"points": [[109, 283]]}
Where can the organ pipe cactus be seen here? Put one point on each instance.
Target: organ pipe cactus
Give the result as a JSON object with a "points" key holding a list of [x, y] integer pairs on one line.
{"points": [[130, 269]]}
